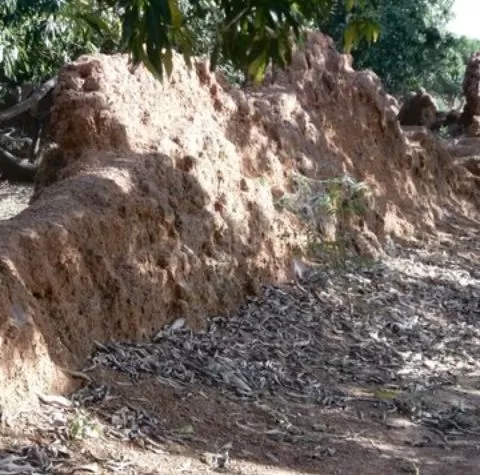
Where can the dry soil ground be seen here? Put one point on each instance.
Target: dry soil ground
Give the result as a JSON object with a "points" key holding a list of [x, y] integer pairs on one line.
{"points": [[13, 198], [363, 368]]}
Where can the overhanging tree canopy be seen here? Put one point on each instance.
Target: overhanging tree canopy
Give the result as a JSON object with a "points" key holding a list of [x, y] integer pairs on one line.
{"points": [[37, 36], [414, 48]]}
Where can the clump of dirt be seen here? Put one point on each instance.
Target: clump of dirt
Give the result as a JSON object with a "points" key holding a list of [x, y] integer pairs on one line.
{"points": [[471, 90], [178, 199], [419, 108]]}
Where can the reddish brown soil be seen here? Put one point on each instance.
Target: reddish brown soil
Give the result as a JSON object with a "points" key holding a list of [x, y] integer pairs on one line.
{"points": [[162, 200]]}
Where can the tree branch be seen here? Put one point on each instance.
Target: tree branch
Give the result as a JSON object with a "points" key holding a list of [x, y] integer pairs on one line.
{"points": [[11, 168], [27, 104]]}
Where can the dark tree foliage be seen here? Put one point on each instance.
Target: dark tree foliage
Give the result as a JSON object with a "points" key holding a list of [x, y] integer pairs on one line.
{"points": [[414, 48], [242, 37], [37, 36]]}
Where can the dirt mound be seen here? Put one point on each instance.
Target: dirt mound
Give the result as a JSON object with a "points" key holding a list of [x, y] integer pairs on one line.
{"points": [[471, 90], [419, 108], [466, 158], [178, 199]]}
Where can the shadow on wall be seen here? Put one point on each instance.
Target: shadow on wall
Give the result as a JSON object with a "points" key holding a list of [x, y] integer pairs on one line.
{"points": [[121, 245]]}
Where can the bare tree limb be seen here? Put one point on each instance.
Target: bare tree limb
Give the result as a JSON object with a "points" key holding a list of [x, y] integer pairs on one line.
{"points": [[12, 168], [27, 104]]}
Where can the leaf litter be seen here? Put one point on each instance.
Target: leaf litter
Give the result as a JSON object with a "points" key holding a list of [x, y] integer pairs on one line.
{"points": [[402, 324], [401, 335]]}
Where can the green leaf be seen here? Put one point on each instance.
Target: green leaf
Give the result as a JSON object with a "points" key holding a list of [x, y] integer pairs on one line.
{"points": [[386, 394], [167, 60], [95, 21], [257, 67], [349, 4], [349, 36], [175, 14]]}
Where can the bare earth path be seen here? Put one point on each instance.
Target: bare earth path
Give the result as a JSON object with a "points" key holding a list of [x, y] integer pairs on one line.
{"points": [[370, 369], [14, 198]]}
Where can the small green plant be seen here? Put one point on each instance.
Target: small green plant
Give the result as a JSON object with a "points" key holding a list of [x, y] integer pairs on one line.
{"points": [[325, 206], [343, 196], [82, 426]]}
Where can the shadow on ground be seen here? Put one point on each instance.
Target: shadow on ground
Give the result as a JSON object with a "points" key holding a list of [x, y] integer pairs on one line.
{"points": [[363, 369]]}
